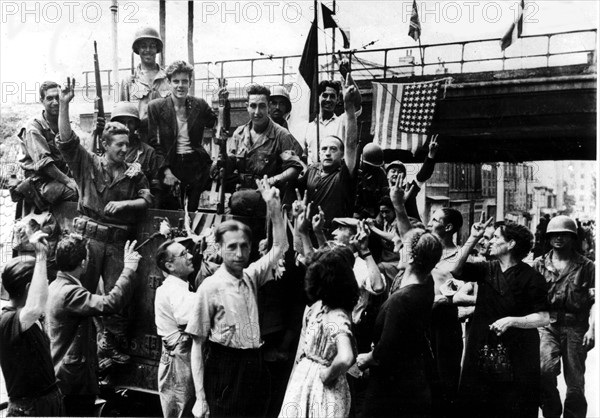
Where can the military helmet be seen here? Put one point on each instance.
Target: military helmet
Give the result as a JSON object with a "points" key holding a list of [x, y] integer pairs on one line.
{"points": [[373, 155], [281, 91], [561, 223], [147, 33], [125, 109]]}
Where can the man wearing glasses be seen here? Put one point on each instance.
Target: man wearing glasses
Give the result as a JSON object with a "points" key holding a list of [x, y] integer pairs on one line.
{"points": [[172, 309]]}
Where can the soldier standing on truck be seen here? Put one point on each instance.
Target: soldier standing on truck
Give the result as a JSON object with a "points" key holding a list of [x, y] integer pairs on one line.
{"points": [[225, 323], [47, 178], [113, 196], [262, 147], [149, 80], [138, 152], [71, 310], [172, 311]]}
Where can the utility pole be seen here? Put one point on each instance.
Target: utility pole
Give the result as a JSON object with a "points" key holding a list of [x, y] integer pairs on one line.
{"points": [[114, 8], [191, 43]]}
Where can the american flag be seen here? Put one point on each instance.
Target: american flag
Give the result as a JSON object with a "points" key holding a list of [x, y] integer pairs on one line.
{"points": [[402, 114]]}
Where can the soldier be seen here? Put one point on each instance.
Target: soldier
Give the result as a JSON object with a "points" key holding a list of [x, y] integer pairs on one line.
{"points": [[113, 196], [176, 130], [372, 182], [138, 152], [47, 176], [262, 147], [149, 81], [570, 334], [280, 106]]}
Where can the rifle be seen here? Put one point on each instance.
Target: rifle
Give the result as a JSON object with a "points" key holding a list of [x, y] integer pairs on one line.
{"points": [[223, 125], [98, 104]]}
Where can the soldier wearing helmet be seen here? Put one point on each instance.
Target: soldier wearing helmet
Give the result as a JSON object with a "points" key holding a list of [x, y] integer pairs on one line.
{"points": [[138, 152], [372, 182], [570, 334], [280, 105], [149, 80]]}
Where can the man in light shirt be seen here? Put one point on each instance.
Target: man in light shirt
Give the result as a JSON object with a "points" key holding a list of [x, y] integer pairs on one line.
{"points": [[225, 325], [172, 309]]}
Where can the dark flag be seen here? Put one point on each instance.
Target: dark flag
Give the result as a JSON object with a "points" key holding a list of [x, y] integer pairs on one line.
{"points": [[515, 30], [308, 64], [414, 28], [330, 21]]}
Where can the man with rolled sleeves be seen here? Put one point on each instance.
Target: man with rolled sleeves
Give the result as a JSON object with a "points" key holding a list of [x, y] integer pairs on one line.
{"points": [[227, 363], [571, 297], [113, 197], [46, 172]]}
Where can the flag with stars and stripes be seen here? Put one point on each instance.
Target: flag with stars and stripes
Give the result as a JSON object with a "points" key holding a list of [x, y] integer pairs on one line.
{"points": [[402, 113]]}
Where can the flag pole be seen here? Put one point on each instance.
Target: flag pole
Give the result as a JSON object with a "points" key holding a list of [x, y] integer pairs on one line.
{"points": [[315, 82], [422, 59], [333, 46]]}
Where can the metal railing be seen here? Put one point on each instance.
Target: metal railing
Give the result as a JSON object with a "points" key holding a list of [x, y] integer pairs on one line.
{"points": [[553, 49]]}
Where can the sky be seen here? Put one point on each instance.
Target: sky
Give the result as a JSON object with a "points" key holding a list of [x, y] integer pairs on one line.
{"points": [[54, 39]]}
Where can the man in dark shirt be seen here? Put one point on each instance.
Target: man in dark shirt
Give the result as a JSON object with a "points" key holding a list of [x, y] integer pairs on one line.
{"points": [[44, 167], [71, 310], [329, 184], [113, 196], [24, 346]]}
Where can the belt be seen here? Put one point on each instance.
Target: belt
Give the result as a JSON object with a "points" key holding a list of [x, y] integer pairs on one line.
{"points": [[52, 388], [99, 232], [191, 156]]}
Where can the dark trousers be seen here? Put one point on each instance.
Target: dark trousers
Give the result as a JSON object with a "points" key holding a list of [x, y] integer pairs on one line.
{"points": [[80, 405], [194, 177], [236, 382], [48, 405], [564, 342]]}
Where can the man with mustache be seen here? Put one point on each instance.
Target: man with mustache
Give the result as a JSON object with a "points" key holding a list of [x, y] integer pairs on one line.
{"points": [[45, 169], [113, 197], [176, 129]]}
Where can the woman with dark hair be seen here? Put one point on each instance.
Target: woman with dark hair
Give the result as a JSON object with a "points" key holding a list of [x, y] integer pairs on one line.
{"points": [[326, 350], [501, 367], [398, 382]]}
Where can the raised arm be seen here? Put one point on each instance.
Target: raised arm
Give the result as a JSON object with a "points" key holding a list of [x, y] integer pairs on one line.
{"points": [[399, 198], [271, 198], [477, 231], [35, 305], [361, 241], [428, 166], [66, 95], [351, 140]]}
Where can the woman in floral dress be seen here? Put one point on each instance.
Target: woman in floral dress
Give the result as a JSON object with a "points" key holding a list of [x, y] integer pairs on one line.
{"points": [[318, 386]]}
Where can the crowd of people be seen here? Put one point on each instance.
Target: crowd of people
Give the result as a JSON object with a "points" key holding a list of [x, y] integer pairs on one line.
{"points": [[349, 306]]}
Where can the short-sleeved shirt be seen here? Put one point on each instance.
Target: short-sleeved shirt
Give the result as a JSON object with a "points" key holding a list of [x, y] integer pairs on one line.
{"points": [[572, 290], [135, 89], [336, 126], [265, 154], [333, 192], [24, 356], [173, 306], [226, 311], [97, 188], [39, 143]]}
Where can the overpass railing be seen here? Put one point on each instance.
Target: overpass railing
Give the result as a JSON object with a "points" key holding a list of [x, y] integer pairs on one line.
{"points": [[530, 51]]}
